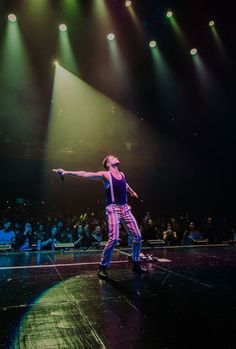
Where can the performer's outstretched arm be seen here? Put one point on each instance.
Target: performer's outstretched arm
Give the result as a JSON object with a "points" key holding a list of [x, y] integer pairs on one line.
{"points": [[101, 175], [131, 191]]}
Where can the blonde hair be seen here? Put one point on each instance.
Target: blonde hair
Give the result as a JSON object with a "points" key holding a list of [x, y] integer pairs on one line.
{"points": [[105, 161]]}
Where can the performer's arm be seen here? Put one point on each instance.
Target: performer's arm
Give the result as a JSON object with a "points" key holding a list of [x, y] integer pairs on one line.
{"points": [[131, 191], [83, 174], [164, 235]]}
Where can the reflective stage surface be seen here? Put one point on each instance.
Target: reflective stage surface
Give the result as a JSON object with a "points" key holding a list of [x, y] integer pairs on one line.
{"points": [[55, 300]]}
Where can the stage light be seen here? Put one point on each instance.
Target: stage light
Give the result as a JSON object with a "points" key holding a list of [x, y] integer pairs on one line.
{"points": [[56, 63], [152, 43], [128, 3], [211, 23], [111, 36], [12, 17], [193, 51], [62, 27], [169, 14]]}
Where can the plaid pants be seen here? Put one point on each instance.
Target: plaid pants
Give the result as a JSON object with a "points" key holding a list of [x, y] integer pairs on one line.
{"points": [[121, 214]]}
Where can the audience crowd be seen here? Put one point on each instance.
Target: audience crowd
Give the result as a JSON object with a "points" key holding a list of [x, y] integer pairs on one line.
{"points": [[27, 227]]}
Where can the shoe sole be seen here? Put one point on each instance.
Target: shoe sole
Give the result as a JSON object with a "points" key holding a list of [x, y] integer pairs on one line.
{"points": [[104, 277]]}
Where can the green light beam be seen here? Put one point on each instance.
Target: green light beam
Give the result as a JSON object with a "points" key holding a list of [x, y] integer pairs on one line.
{"points": [[80, 111], [39, 6], [167, 90], [202, 72], [36, 9], [136, 22], [209, 88], [163, 75], [20, 93], [84, 125], [221, 49], [120, 68], [183, 39], [218, 40], [71, 9], [101, 11], [65, 53]]}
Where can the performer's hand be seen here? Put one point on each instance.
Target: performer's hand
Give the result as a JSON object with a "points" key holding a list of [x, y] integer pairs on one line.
{"points": [[133, 194], [59, 171]]}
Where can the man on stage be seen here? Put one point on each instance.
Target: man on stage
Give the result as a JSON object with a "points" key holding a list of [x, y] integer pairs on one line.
{"points": [[117, 211]]}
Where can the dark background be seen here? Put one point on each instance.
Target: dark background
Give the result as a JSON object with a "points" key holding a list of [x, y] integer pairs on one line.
{"points": [[193, 169]]}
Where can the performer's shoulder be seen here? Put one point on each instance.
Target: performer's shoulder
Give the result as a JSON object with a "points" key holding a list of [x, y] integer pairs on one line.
{"points": [[105, 175]]}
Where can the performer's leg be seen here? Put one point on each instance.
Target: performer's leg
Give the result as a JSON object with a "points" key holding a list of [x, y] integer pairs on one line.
{"points": [[131, 225], [113, 235]]}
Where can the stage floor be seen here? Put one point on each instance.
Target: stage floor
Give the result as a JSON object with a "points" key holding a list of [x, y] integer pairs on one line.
{"points": [[55, 300]]}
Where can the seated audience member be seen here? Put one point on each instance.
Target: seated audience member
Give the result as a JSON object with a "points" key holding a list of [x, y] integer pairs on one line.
{"points": [[54, 236], [87, 237], [69, 234], [224, 230], [26, 237], [191, 235], [210, 231], [41, 232], [78, 236], [60, 226], [41, 237], [66, 235], [175, 224], [169, 235], [48, 240], [18, 235], [7, 235], [96, 237]]}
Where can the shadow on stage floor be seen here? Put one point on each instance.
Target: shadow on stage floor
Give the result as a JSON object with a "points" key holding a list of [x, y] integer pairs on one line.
{"points": [[55, 300]]}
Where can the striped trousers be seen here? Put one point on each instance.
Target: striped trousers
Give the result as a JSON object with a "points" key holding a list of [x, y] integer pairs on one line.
{"points": [[116, 215]]}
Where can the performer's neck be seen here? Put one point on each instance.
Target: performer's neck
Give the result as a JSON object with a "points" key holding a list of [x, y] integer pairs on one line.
{"points": [[114, 170]]}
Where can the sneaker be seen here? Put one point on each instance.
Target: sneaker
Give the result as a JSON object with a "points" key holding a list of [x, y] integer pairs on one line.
{"points": [[102, 273], [149, 258], [143, 257], [137, 268]]}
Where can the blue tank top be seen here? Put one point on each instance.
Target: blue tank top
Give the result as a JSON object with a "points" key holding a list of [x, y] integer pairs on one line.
{"points": [[119, 188]]}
